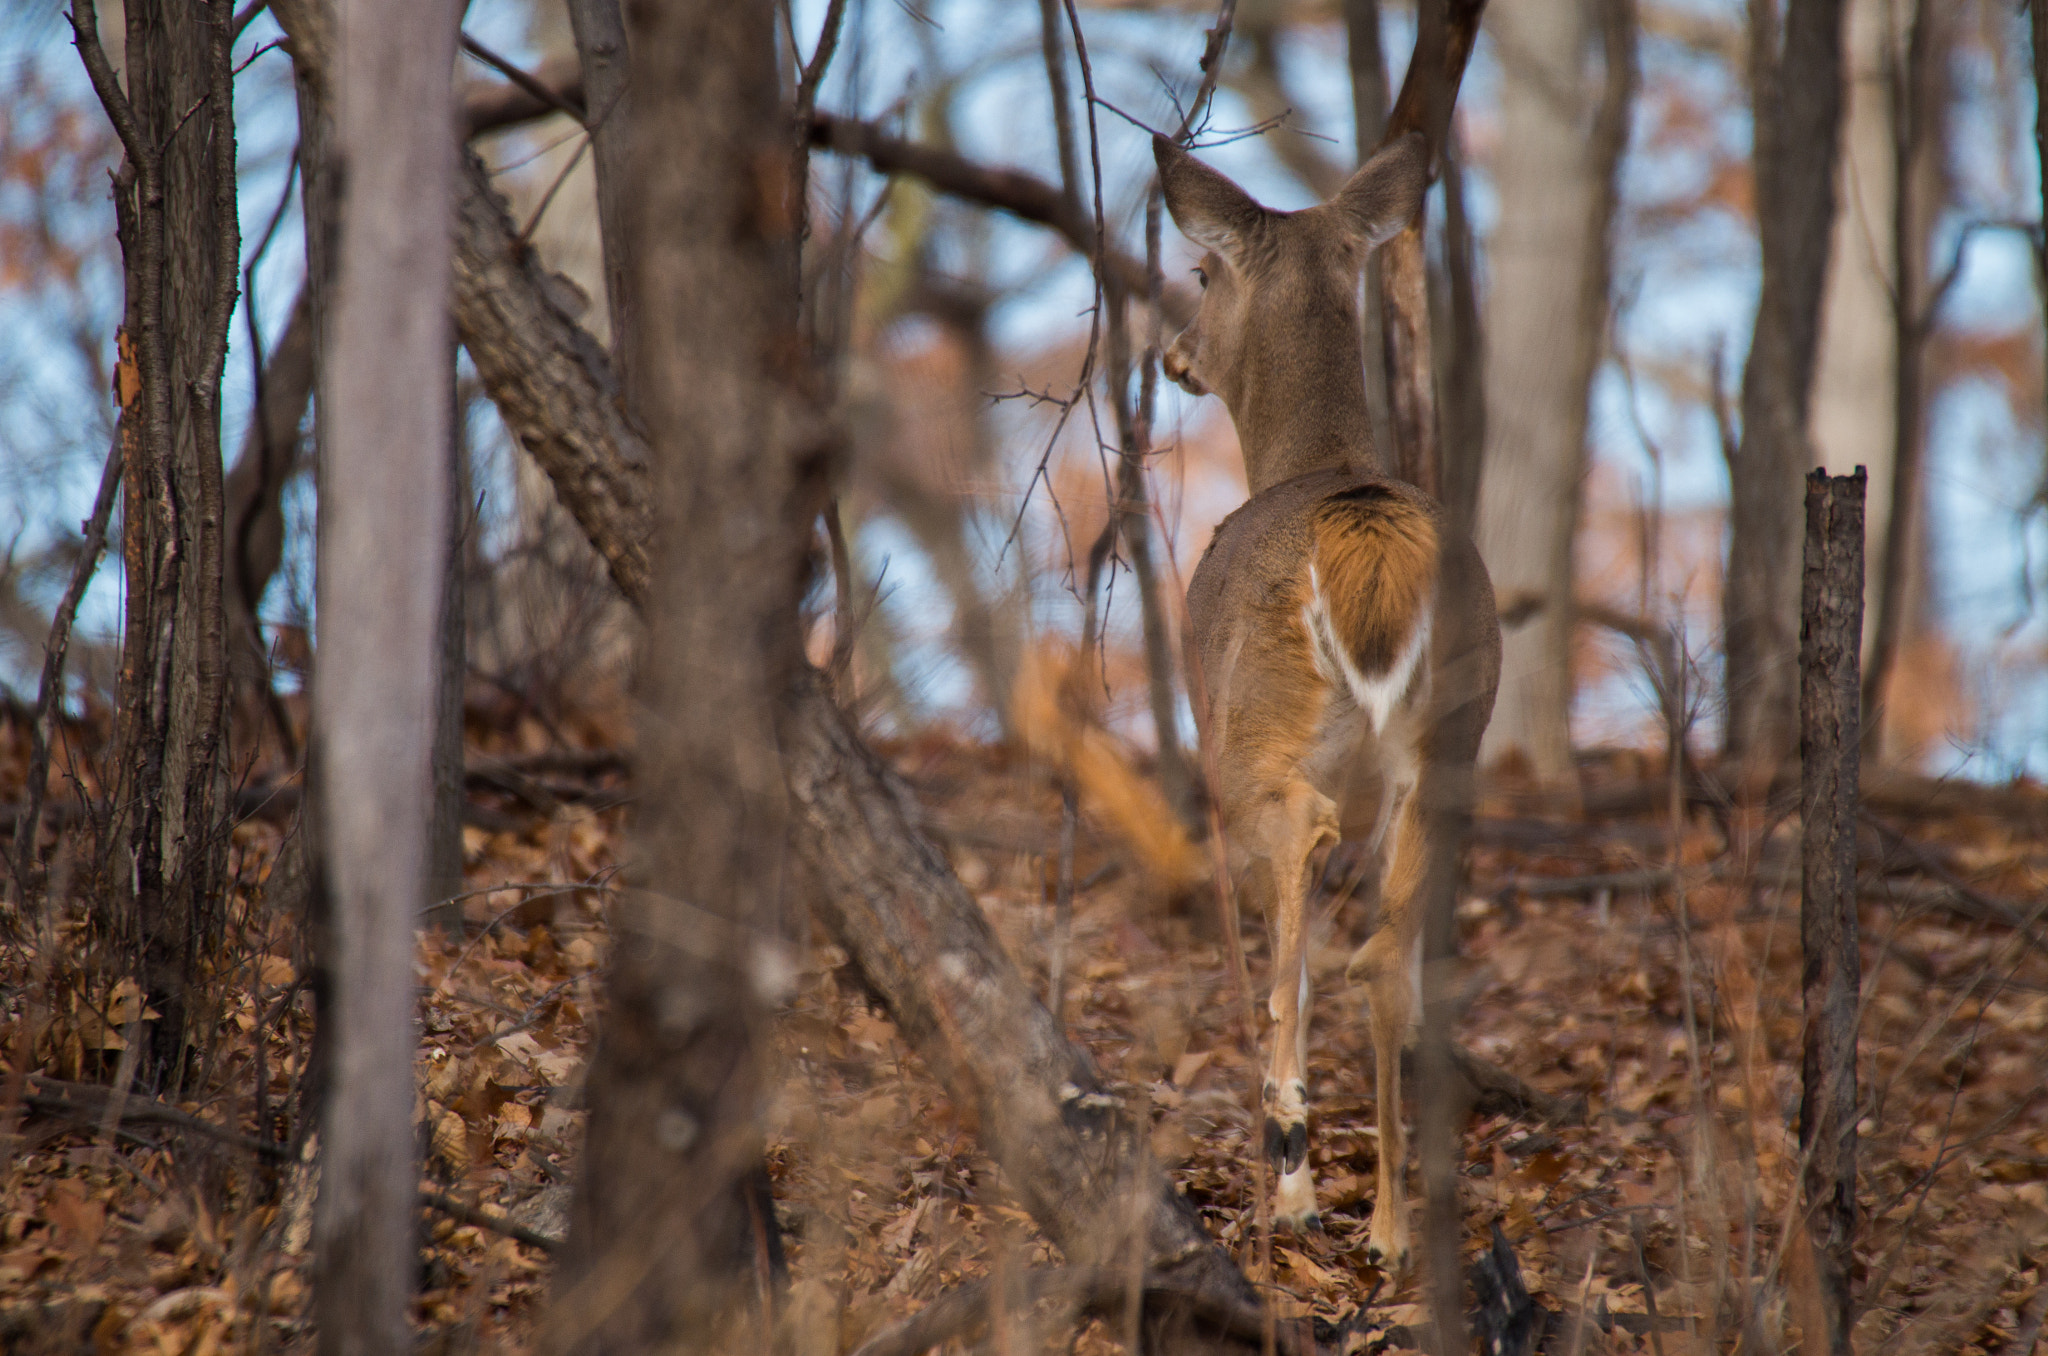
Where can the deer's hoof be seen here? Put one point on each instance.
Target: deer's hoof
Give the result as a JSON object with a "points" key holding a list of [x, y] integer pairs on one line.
{"points": [[1386, 1246]]}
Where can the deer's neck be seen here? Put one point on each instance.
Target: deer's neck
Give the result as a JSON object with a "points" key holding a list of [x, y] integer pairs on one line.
{"points": [[1299, 406]]}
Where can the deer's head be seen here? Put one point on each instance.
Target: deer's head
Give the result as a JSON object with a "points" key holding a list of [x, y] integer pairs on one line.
{"points": [[1279, 289]]}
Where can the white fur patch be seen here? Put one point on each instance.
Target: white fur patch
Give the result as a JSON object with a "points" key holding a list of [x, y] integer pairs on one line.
{"points": [[1375, 695]]}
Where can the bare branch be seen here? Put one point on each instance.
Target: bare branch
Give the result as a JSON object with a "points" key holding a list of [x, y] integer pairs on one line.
{"points": [[85, 33], [537, 88], [1218, 39], [54, 651]]}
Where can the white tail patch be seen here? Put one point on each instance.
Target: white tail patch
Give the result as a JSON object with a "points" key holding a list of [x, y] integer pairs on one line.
{"points": [[1375, 695]]}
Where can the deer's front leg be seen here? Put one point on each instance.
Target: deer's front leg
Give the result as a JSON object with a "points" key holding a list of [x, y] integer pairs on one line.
{"points": [[1294, 823]]}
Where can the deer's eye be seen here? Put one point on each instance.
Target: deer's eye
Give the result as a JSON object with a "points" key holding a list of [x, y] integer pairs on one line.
{"points": [[1202, 277]]}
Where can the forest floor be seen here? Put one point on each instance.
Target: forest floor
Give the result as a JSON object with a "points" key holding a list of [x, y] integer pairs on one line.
{"points": [[1674, 1012]]}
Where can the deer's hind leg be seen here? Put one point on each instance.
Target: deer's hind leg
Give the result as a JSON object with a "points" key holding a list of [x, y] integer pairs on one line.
{"points": [[1279, 826], [1389, 966]]}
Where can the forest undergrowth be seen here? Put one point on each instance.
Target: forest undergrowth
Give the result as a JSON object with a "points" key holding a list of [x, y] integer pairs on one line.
{"points": [[1653, 974]]}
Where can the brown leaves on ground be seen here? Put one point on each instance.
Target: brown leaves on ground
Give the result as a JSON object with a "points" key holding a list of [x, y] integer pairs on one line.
{"points": [[1678, 1019]]}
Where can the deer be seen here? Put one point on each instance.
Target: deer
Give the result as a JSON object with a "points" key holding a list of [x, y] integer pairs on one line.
{"points": [[1341, 638]]}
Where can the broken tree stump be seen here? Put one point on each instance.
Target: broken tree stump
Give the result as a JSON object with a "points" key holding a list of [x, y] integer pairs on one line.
{"points": [[1830, 727]]}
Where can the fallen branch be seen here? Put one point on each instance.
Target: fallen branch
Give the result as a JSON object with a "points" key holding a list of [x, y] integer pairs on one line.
{"points": [[1970, 902], [1497, 1092], [1073, 1154], [486, 1219], [1096, 1292], [89, 1103]]}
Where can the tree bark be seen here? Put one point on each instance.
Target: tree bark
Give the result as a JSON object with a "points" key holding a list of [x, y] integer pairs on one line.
{"points": [[608, 114], [383, 530], [444, 834], [669, 1218], [1445, 32], [1563, 135], [551, 381], [1461, 366], [884, 889], [1796, 97], [1365, 57], [2038, 31], [881, 886], [1831, 628], [268, 459], [174, 199]]}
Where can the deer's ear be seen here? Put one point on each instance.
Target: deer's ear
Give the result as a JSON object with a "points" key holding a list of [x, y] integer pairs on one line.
{"points": [[1381, 199], [1209, 209]]}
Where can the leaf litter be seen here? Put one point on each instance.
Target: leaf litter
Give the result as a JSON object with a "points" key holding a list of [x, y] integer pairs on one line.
{"points": [[1675, 1195]]}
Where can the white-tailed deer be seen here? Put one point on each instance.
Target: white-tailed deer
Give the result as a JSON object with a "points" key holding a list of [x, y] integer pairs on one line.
{"points": [[1343, 638]]}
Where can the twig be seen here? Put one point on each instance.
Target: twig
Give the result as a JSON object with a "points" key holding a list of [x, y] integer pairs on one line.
{"points": [[85, 32], [89, 1104], [547, 199], [1022, 195], [485, 1219], [537, 88], [1649, 1291], [1062, 911], [54, 651], [1984, 907], [811, 77], [526, 1019], [1217, 40]]}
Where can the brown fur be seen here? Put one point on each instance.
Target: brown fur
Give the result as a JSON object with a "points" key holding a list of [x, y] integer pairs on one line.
{"points": [[1376, 556], [1305, 750]]}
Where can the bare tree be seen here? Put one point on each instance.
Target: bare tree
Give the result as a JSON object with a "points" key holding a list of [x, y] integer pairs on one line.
{"points": [[671, 1214], [383, 531], [174, 202], [1563, 131], [1796, 98], [1917, 102]]}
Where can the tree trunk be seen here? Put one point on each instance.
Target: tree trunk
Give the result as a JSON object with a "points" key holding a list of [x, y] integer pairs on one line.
{"points": [[552, 383], [1858, 355], [1461, 365], [1562, 139], [444, 835], [1067, 1146], [1365, 56], [670, 1218], [1445, 32], [175, 209], [255, 485], [1796, 98], [601, 56], [2039, 33], [1917, 88], [383, 529], [1831, 628]]}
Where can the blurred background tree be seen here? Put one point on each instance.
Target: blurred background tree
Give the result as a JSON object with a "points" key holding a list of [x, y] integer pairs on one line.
{"points": [[1608, 280]]}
